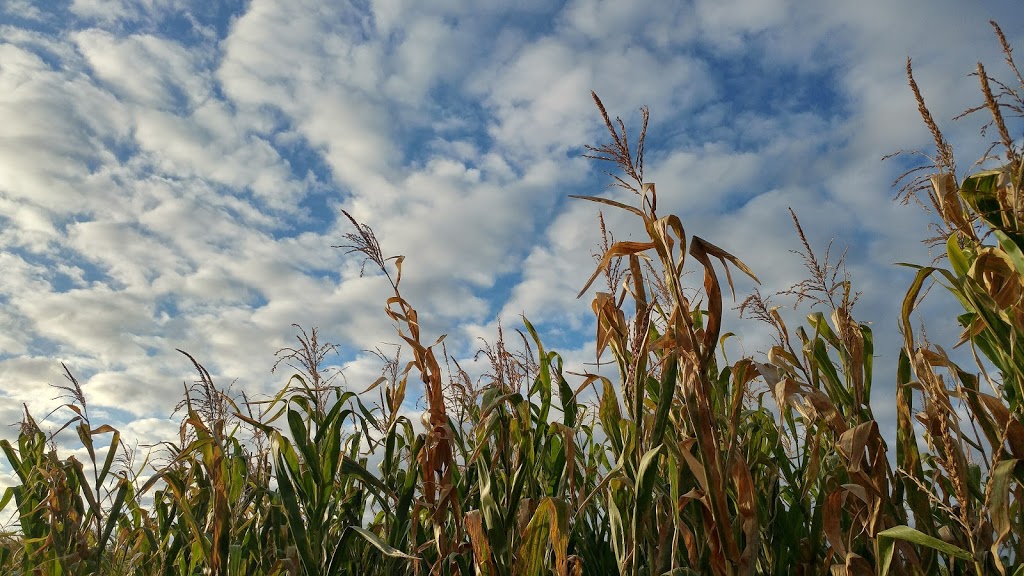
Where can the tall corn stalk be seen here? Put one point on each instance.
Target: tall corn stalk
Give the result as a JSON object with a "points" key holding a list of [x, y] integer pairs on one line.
{"points": [[681, 494], [66, 515], [965, 492]]}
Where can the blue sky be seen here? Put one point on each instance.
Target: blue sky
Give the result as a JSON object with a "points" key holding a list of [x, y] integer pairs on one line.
{"points": [[172, 172]]}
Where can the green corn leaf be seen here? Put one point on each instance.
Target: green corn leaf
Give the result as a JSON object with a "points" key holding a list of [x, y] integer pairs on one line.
{"points": [[542, 387], [646, 476], [617, 531], [15, 462], [338, 413], [328, 445], [115, 512], [548, 529], [820, 325], [90, 495], [566, 396], [308, 450], [6, 498], [115, 442], [611, 417], [405, 498], [86, 438], [1000, 504], [296, 519], [980, 192], [908, 457], [887, 545], [665, 397], [379, 544], [380, 491], [199, 537], [497, 533], [1012, 250], [957, 257], [833, 384], [534, 336], [515, 495]]}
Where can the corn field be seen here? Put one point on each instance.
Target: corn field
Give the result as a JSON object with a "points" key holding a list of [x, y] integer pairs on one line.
{"points": [[685, 463]]}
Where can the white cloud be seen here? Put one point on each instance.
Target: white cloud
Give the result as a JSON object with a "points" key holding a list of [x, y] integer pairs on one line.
{"points": [[39, 103], [114, 12], [145, 69], [109, 10], [129, 257], [27, 381], [729, 25]]}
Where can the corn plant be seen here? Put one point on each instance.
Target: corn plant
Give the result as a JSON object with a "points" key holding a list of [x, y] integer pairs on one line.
{"points": [[838, 487], [964, 492], [681, 495], [66, 514]]}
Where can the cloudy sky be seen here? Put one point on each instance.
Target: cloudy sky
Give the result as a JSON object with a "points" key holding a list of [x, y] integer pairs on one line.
{"points": [[172, 172]]}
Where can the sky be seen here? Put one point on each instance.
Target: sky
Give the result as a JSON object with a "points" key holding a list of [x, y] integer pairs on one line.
{"points": [[172, 172]]}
